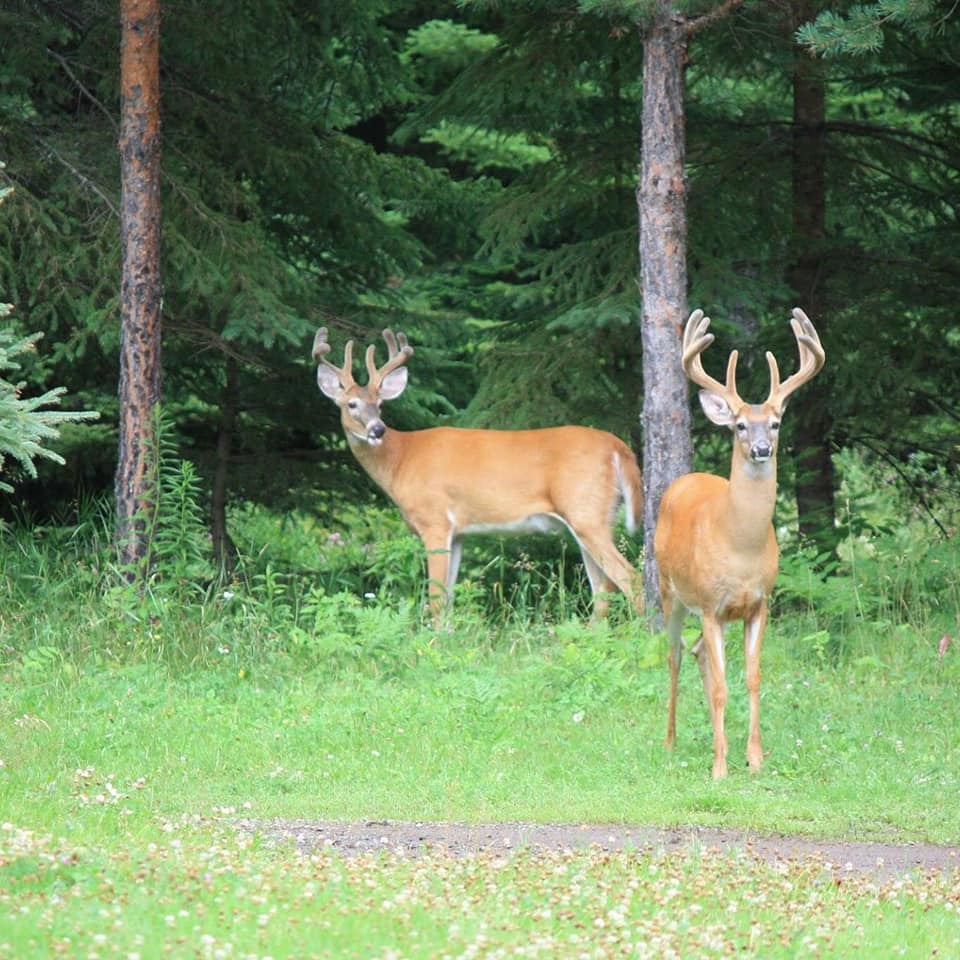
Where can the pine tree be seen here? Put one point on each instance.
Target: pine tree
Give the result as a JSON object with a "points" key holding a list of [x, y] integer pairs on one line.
{"points": [[26, 427]]}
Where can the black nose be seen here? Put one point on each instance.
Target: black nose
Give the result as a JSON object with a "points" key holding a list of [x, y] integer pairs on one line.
{"points": [[377, 430], [762, 451]]}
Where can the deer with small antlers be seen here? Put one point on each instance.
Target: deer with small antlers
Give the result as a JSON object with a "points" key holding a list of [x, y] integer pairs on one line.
{"points": [[714, 543], [450, 481]]}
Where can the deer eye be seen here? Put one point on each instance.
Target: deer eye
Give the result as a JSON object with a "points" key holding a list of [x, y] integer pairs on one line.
{"points": [[741, 426], [775, 425], [353, 404]]}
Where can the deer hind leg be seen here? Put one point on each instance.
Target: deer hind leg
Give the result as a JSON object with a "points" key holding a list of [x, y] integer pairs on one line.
{"points": [[752, 643], [607, 570], [673, 615], [601, 586], [709, 652]]}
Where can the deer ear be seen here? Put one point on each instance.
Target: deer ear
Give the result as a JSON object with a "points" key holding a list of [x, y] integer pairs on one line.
{"points": [[329, 382], [394, 383], [716, 408]]}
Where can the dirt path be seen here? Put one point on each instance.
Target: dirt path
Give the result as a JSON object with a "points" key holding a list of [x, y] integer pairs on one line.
{"points": [[880, 860]]}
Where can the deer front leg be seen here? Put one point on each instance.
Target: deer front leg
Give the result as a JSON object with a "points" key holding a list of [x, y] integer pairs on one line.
{"points": [[439, 587], [710, 658], [752, 644], [673, 614]]}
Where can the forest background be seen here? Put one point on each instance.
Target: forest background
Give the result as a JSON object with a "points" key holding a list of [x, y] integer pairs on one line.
{"points": [[467, 173]]}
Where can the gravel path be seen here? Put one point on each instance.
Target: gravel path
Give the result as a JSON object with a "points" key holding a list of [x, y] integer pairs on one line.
{"points": [[411, 838]]}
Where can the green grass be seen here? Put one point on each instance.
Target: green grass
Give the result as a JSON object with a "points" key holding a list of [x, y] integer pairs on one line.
{"points": [[120, 781], [137, 730], [197, 890], [572, 731]]}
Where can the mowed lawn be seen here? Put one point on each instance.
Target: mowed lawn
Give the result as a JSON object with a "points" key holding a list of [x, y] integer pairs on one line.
{"points": [[121, 786]]}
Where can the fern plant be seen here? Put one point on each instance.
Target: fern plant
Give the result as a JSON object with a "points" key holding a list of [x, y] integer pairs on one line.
{"points": [[180, 549]]}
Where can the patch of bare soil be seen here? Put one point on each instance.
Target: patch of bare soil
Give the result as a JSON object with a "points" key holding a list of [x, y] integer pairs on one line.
{"points": [[412, 838]]}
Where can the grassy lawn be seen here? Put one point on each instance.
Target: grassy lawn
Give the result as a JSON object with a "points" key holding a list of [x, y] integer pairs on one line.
{"points": [[570, 732], [119, 784]]}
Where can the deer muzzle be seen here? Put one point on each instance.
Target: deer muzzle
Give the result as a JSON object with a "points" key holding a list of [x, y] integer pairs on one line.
{"points": [[761, 452]]}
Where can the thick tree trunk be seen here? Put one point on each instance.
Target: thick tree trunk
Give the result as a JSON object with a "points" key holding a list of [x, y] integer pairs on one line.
{"points": [[661, 197], [815, 481], [140, 290], [224, 551]]}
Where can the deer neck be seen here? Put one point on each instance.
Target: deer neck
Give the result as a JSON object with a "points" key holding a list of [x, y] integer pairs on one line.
{"points": [[751, 498], [379, 461]]}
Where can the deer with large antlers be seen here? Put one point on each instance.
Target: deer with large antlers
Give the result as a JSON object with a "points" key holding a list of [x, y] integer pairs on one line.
{"points": [[715, 544], [450, 481]]}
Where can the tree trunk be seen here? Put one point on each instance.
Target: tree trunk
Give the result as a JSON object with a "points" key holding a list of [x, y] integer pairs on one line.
{"points": [[224, 551], [661, 197], [815, 482], [140, 289]]}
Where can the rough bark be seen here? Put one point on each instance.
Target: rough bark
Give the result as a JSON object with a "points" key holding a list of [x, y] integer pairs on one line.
{"points": [[140, 290], [815, 481], [661, 198]]}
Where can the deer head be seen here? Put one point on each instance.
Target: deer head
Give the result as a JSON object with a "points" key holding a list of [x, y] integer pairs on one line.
{"points": [[756, 427], [360, 405]]}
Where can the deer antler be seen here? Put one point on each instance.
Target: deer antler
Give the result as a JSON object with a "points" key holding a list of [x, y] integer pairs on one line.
{"points": [[696, 339], [320, 350], [812, 358], [399, 351]]}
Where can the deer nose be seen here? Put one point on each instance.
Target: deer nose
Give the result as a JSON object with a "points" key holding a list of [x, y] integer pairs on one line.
{"points": [[376, 430], [761, 451]]}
